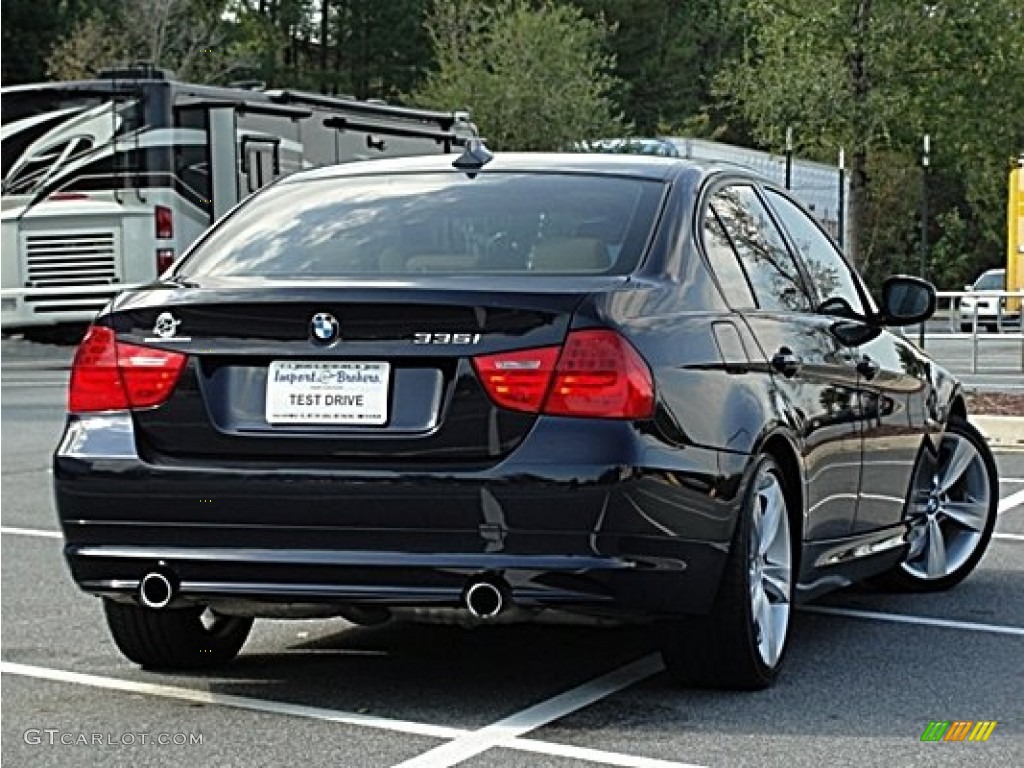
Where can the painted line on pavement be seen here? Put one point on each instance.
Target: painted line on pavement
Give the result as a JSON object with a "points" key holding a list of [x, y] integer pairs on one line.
{"points": [[503, 732], [900, 618], [1008, 536], [1011, 501], [592, 755], [31, 532], [231, 700], [342, 717]]}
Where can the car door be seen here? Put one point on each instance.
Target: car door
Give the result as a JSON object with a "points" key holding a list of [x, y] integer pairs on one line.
{"points": [[892, 373], [814, 378]]}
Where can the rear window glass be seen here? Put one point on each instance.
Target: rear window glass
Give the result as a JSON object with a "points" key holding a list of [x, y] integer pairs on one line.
{"points": [[435, 223]]}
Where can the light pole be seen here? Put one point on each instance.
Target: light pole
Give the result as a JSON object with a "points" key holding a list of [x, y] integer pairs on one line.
{"points": [[923, 266], [789, 157], [842, 199]]}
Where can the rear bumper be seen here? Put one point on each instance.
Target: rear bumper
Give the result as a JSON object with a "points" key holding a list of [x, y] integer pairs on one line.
{"points": [[628, 525]]}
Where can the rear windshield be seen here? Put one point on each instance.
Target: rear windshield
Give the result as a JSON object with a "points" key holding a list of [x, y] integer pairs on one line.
{"points": [[447, 223]]}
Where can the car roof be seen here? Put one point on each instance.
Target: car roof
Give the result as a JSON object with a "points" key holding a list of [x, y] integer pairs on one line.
{"points": [[642, 166]]}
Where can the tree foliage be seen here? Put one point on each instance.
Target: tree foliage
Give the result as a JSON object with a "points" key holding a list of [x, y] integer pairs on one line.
{"points": [[536, 75], [871, 76], [190, 37]]}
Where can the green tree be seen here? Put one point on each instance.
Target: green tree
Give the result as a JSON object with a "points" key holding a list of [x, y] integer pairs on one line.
{"points": [[190, 37], [32, 27], [667, 55], [535, 75], [873, 76]]}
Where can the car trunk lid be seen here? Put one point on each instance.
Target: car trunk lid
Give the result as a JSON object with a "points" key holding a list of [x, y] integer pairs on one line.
{"points": [[396, 385]]}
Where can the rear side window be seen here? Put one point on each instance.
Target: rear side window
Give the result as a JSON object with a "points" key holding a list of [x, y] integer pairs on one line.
{"points": [[767, 262], [443, 223], [725, 264]]}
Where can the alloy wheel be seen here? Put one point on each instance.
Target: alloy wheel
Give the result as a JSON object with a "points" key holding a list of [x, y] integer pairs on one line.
{"points": [[950, 510], [770, 569]]}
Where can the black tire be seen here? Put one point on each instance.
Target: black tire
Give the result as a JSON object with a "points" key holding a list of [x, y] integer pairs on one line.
{"points": [[902, 579], [721, 650], [173, 639]]}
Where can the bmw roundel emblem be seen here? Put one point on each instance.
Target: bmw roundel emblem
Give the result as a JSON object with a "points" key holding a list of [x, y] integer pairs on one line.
{"points": [[324, 327]]}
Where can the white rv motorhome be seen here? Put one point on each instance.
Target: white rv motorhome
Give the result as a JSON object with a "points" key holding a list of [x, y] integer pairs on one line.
{"points": [[106, 182]]}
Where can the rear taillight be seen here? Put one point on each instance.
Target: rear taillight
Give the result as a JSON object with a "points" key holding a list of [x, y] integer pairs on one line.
{"points": [[110, 375], [597, 373], [518, 380], [601, 374], [164, 259], [164, 219], [57, 197]]}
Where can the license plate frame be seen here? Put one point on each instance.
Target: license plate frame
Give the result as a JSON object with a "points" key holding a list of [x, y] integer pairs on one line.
{"points": [[352, 393]]}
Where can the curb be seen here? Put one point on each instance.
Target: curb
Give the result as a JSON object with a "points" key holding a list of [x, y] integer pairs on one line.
{"points": [[1001, 431]]}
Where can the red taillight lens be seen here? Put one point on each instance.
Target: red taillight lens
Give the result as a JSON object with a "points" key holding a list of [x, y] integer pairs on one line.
{"points": [[164, 218], [597, 374], [66, 196], [164, 259], [95, 383], [518, 380], [109, 375], [601, 375]]}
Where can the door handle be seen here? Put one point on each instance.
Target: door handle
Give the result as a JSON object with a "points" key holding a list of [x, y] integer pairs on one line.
{"points": [[867, 367], [786, 362]]}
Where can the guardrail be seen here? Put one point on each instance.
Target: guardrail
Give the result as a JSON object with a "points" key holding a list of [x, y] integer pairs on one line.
{"points": [[1004, 320]]}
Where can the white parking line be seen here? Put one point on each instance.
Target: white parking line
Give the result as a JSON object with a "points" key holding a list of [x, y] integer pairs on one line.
{"points": [[1011, 501], [505, 731], [640, 670], [31, 532], [901, 618], [1008, 536], [593, 755], [231, 700]]}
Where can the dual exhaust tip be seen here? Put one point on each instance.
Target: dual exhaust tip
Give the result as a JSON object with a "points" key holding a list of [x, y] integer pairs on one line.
{"points": [[483, 599], [486, 599], [157, 589]]}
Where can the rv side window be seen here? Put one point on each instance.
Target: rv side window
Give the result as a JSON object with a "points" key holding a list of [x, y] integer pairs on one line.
{"points": [[192, 168]]}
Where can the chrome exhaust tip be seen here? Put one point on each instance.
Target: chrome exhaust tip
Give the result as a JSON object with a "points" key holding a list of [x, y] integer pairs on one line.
{"points": [[484, 600], [156, 590]]}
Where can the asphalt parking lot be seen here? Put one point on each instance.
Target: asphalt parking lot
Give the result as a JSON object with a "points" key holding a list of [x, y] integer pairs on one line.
{"points": [[866, 671]]}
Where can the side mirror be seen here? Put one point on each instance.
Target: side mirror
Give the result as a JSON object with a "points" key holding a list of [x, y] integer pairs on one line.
{"points": [[907, 300]]}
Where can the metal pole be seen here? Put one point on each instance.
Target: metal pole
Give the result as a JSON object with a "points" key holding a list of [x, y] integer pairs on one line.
{"points": [[789, 157], [842, 198], [923, 271]]}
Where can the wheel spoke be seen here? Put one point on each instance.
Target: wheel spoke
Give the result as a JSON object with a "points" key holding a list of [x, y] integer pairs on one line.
{"points": [[774, 509], [762, 615], [935, 555], [776, 582], [961, 459], [969, 514]]}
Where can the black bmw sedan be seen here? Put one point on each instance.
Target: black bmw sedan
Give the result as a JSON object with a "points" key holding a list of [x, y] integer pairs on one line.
{"points": [[578, 386]]}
